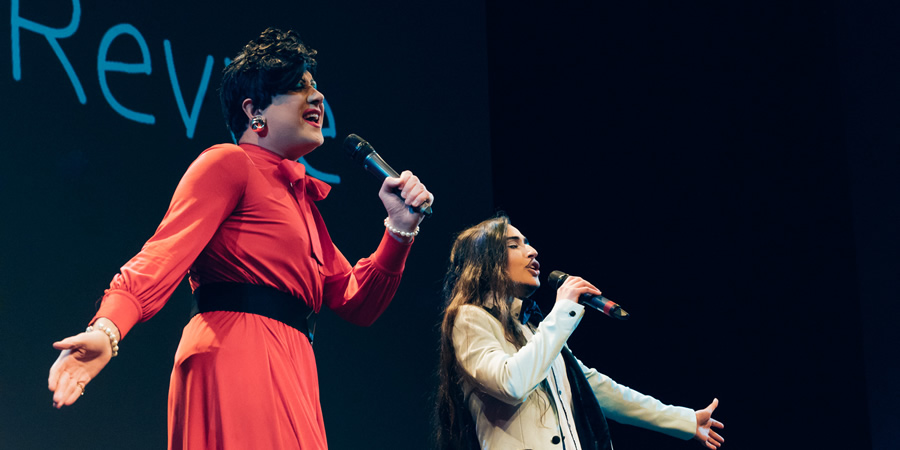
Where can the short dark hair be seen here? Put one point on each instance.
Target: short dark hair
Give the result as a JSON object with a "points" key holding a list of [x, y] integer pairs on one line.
{"points": [[271, 65]]}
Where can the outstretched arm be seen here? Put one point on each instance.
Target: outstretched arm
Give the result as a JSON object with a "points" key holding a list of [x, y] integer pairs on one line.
{"points": [[705, 423], [207, 193]]}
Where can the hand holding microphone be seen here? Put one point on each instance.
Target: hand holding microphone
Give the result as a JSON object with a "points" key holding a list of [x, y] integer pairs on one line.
{"points": [[598, 302], [416, 196]]}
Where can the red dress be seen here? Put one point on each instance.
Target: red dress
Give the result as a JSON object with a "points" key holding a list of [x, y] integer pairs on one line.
{"points": [[241, 381]]}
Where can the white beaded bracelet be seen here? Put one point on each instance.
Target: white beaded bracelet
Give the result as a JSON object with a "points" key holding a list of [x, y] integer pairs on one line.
{"points": [[113, 342], [399, 232]]}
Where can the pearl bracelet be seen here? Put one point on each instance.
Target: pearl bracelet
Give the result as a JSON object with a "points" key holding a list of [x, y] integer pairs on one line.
{"points": [[408, 234], [113, 342]]}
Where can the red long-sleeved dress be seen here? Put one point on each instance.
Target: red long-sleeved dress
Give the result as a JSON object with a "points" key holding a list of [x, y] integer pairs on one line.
{"points": [[241, 381]]}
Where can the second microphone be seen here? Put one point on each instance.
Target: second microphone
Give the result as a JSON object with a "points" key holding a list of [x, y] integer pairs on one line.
{"points": [[598, 302]]}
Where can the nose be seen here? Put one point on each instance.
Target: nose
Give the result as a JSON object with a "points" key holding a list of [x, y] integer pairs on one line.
{"points": [[532, 252], [315, 97]]}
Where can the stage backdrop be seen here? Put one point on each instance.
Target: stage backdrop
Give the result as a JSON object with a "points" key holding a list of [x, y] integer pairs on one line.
{"points": [[728, 172], [108, 105]]}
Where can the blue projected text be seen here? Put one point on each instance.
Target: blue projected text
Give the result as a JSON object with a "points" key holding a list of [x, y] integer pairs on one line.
{"points": [[142, 66]]}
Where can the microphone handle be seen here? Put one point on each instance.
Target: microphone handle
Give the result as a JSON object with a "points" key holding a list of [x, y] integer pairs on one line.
{"points": [[604, 305], [381, 170], [378, 167]]}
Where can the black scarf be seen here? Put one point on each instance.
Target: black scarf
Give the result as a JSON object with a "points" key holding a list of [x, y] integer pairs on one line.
{"points": [[590, 422]]}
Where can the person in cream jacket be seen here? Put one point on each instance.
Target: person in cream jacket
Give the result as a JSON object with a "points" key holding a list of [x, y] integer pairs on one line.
{"points": [[504, 380]]}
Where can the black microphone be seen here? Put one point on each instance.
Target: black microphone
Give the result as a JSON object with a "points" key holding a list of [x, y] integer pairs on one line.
{"points": [[598, 302], [363, 153]]}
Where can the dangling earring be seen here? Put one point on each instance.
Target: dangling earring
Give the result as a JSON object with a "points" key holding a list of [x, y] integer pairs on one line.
{"points": [[258, 124]]}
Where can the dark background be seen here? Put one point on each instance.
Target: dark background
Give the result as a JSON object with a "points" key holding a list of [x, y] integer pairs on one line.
{"points": [[727, 172]]}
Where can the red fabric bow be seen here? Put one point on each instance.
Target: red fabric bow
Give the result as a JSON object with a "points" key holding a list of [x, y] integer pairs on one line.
{"points": [[315, 190]]}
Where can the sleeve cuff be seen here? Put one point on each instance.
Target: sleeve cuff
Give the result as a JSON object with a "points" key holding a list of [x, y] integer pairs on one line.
{"points": [[391, 254], [565, 316], [688, 423], [567, 311], [121, 308]]}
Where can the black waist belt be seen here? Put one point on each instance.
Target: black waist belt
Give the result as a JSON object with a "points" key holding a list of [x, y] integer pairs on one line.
{"points": [[255, 299]]}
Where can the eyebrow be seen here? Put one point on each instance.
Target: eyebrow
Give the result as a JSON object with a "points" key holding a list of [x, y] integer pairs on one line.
{"points": [[516, 238]]}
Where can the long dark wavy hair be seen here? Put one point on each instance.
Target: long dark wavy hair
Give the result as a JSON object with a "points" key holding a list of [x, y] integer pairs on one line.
{"points": [[477, 275], [270, 65]]}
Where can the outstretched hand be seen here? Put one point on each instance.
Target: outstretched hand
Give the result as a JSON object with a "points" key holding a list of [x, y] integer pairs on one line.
{"points": [[81, 359], [705, 422]]}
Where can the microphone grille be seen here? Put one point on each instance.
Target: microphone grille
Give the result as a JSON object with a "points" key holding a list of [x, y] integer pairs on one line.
{"points": [[556, 278], [357, 147]]}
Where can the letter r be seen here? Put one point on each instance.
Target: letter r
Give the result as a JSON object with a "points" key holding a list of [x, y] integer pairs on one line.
{"points": [[52, 35]]}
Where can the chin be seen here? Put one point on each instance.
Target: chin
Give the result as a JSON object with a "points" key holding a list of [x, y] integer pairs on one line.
{"points": [[525, 290]]}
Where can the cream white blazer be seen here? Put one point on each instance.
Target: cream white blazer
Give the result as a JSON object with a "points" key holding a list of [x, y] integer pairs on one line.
{"points": [[500, 385]]}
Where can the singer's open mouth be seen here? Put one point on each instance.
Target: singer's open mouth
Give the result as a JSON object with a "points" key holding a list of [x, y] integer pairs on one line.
{"points": [[313, 117]]}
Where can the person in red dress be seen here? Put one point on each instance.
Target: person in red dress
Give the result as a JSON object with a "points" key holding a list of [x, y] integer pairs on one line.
{"points": [[244, 227]]}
